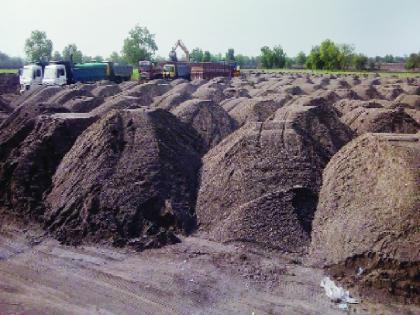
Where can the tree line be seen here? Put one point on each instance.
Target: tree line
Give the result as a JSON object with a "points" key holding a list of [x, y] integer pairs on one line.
{"points": [[140, 44]]}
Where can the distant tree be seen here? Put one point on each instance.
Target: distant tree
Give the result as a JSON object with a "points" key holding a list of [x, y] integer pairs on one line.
{"points": [[289, 62], [38, 46], [360, 62], [279, 57], [216, 57], [115, 57], [72, 49], [7, 62], [413, 61], [139, 45], [206, 56], [86, 59], [56, 55], [330, 55], [388, 58], [230, 55], [266, 57], [98, 58], [300, 58], [373, 64], [159, 59], [345, 57], [314, 61], [196, 55]]}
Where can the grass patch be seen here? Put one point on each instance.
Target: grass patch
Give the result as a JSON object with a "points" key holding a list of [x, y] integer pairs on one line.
{"points": [[8, 70], [360, 73], [135, 75]]}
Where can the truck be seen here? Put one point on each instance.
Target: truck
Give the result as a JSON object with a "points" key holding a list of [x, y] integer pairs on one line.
{"points": [[210, 70], [65, 72], [176, 70], [31, 75], [149, 70]]}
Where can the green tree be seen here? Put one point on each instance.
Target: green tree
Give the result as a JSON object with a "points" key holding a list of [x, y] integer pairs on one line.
{"points": [[388, 58], [115, 57], [230, 55], [279, 57], [345, 57], [266, 57], [38, 47], [56, 55], [98, 58], [413, 61], [330, 55], [206, 56], [72, 49], [7, 62], [360, 61], [196, 55], [139, 45], [289, 63], [314, 60], [300, 58]]}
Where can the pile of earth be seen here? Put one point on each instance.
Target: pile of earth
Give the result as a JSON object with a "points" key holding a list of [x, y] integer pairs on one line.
{"points": [[238, 160], [372, 240]]}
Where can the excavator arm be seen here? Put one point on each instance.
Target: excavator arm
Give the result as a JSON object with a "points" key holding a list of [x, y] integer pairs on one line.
{"points": [[179, 43]]}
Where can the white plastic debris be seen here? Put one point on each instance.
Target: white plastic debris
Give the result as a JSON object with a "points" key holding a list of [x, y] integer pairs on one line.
{"points": [[343, 307], [335, 293], [360, 271]]}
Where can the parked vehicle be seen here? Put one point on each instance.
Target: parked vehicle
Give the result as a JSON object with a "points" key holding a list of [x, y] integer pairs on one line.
{"points": [[210, 70], [64, 72], [176, 70], [30, 75], [149, 70]]}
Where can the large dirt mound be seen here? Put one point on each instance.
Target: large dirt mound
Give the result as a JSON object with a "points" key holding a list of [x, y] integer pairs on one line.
{"points": [[380, 120], [139, 181], [9, 83], [368, 214], [26, 168], [250, 181], [211, 121]]}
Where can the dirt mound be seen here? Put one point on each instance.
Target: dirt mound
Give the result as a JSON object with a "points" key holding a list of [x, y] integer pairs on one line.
{"points": [[257, 109], [177, 95], [409, 101], [31, 159], [367, 92], [210, 121], [69, 93], [367, 214], [264, 165], [9, 83], [83, 104], [139, 181], [211, 91], [106, 90], [381, 120], [36, 95]]}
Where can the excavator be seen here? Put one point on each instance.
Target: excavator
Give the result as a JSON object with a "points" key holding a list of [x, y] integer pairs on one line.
{"points": [[175, 69], [172, 54]]}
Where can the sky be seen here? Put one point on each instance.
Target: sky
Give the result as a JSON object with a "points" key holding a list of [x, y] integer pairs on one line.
{"points": [[98, 27]]}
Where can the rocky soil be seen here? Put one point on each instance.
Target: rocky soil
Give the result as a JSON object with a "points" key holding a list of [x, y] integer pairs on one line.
{"points": [[305, 171]]}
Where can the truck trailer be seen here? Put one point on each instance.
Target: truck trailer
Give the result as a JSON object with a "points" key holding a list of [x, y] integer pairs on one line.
{"points": [[210, 70], [65, 72]]}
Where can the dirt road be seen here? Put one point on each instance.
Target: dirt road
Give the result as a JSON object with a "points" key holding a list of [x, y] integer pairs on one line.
{"points": [[40, 276]]}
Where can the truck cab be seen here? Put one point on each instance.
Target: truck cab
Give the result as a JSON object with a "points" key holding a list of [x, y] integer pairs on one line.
{"points": [[30, 75], [55, 74], [169, 71]]}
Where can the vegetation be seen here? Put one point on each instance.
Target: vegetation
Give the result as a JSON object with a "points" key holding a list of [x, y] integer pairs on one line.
{"points": [[72, 49], [38, 47], [139, 45], [413, 62], [273, 58], [7, 62]]}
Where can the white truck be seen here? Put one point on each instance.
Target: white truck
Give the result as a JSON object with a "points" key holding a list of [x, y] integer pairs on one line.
{"points": [[30, 75]]}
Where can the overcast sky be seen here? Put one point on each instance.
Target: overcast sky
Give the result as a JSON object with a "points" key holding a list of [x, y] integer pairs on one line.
{"points": [[98, 27]]}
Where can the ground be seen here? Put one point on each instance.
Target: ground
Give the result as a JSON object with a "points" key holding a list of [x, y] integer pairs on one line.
{"points": [[197, 276]]}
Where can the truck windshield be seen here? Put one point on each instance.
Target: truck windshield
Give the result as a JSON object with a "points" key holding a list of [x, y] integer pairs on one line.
{"points": [[169, 68], [27, 73], [50, 73]]}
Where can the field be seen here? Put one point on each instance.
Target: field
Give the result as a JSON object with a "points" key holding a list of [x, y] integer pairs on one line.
{"points": [[359, 73], [210, 197], [8, 70]]}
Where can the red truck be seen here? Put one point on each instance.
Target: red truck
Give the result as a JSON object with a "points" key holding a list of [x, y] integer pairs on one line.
{"points": [[210, 70], [149, 70]]}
